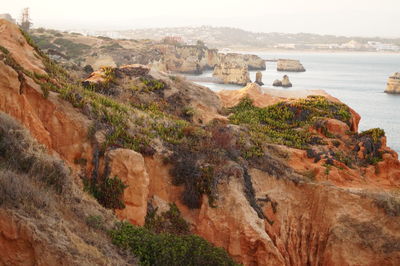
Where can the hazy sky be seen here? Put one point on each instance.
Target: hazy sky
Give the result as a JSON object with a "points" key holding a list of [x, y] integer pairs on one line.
{"points": [[339, 17]]}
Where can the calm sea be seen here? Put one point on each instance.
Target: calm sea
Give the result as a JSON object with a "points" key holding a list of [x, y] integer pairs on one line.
{"points": [[357, 79]]}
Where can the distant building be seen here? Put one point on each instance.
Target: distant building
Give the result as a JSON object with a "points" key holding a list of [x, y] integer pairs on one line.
{"points": [[8, 17], [354, 45], [384, 46]]}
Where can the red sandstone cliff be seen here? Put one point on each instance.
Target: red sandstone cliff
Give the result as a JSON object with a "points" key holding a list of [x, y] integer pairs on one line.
{"points": [[348, 216]]}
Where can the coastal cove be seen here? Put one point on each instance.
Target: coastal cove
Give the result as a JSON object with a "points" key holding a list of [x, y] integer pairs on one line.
{"points": [[357, 79]]}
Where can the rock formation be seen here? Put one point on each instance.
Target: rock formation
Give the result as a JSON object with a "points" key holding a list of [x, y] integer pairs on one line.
{"points": [[259, 78], [232, 73], [289, 65], [253, 62], [77, 51], [393, 84], [285, 82], [277, 83], [266, 188]]}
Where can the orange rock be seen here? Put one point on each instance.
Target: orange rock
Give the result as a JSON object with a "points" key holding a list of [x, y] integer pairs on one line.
{"points": [[129, 166], [22, 52], [336, 127]]}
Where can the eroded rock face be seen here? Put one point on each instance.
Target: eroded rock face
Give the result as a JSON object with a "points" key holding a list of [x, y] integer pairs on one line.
{"points": [[232, 73], [290, 65], [187, 59], [129, 166], [393, 84]]}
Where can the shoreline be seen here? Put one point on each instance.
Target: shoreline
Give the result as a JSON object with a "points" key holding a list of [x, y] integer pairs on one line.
{"points": [[269, 50]]}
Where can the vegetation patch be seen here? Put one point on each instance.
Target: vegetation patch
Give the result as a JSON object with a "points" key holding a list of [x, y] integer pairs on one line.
{"points": [[168, 249], [20, 152], [285, 123], [170, 221], [371, 141], [71, 48], [375, 133], [108, 191]]}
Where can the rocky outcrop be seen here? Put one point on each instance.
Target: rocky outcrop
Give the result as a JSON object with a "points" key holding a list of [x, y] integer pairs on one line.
{"points": [[277, 83], [289, 65], [189, 59], [393, 84], [232, 73], [259, 78], [129, 166], [253, 62], [285, 82]]}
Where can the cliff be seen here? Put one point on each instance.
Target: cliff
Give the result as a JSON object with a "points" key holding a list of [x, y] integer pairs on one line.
{"points": [[77, 51], [393, 84], [290, 65], [232, 73], [253, 62], [273, 177]]}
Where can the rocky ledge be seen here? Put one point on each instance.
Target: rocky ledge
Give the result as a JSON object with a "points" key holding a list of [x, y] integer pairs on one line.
{"points": [[290, 65], [393, 84]]}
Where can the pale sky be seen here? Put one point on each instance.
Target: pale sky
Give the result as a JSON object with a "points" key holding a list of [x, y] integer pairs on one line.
{"points": [[338, 17]]}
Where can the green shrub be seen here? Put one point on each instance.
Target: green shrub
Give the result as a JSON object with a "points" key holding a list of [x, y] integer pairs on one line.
{"points": [[285, 123], [374, 133], [71, 48], [108, 192], [168, 222], [168, 249]]}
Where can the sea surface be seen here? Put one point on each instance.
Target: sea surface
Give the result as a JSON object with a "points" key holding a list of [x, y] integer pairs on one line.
{"points": [[357, 79]]}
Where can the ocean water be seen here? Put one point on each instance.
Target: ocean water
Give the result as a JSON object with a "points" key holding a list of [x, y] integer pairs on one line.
{"points": [[357, 79]]}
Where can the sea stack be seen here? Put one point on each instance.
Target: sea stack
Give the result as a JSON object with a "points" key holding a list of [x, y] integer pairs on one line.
{"points": [[259, 78], [290, 65], [277, 83], [232, 73], [393, 84], [286, 82]]}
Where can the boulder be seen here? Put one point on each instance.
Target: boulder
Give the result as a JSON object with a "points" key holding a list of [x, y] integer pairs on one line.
{"points": [[290, 65], [232, 73], [393, 84], [286, 82], [277, 83], [259, 78]]}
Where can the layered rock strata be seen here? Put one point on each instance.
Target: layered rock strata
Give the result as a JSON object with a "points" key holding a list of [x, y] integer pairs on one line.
{"points": [[393, 84], [232, 73]]}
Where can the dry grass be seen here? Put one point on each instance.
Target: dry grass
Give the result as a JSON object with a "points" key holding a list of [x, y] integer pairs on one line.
{"points": [[20, 152], [37, 190]]}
